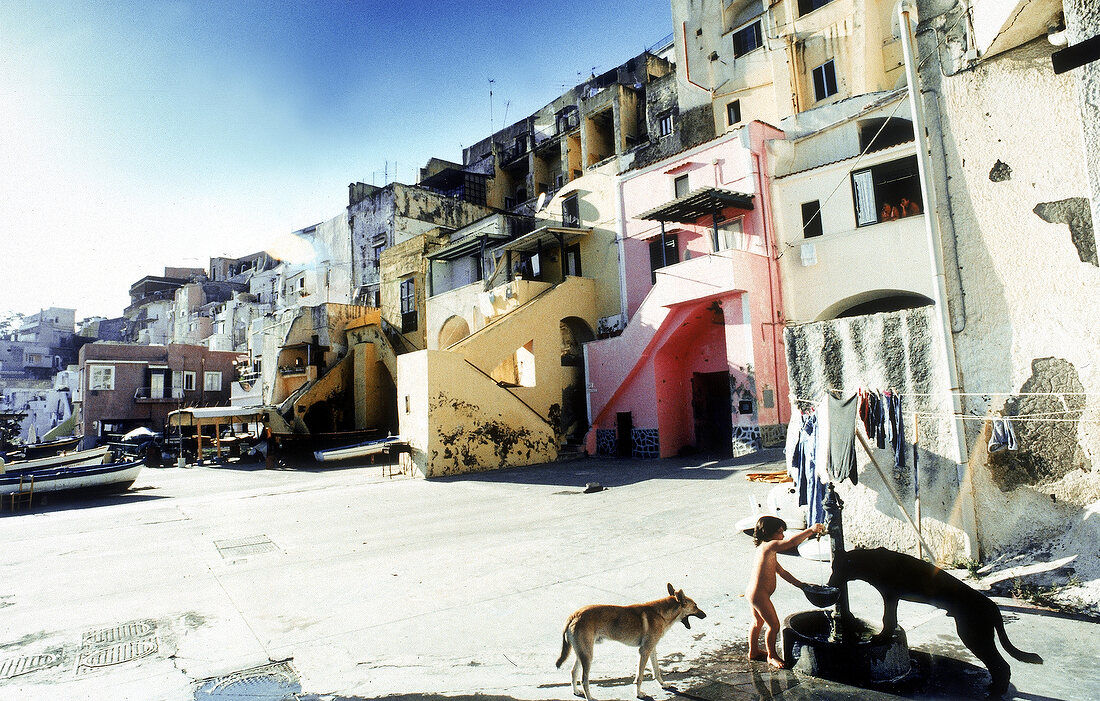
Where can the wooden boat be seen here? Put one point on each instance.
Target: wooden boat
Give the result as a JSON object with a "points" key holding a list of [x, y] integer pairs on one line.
{"points": [[50, 448], [95, 456], [112, 477], [387, 446]]}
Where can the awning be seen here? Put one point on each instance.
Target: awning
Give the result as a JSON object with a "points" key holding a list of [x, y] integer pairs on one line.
{"points": [[467, 246], [205, 416], [545, 236], [695, 205]]}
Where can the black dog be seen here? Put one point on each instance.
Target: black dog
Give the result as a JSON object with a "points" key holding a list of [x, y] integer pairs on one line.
{"points": [[898, 576]]}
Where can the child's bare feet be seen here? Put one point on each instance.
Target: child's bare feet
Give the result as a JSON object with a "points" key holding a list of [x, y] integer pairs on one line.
{"points": [[777, 662]]}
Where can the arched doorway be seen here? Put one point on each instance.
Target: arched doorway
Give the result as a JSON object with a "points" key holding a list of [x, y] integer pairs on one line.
{"points": [[575, 332], [453, 330]]}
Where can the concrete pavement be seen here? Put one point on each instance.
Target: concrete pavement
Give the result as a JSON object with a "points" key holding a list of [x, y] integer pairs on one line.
{"points": [[219, 583]]}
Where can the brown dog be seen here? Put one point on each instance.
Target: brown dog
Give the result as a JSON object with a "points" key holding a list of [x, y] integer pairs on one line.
{"points": [[639, 625]]}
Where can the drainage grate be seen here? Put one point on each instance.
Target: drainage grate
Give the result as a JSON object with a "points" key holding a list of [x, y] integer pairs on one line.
{"points": [[276, 681], [111, 646], [126, 631], [238, 547], [26, 665]]}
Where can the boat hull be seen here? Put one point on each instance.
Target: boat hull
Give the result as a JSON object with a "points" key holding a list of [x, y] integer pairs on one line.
{"points": [[107, 478], [95, 456]]}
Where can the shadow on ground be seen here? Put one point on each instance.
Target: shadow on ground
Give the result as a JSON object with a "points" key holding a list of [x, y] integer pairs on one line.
{"points": [[618, 472]]}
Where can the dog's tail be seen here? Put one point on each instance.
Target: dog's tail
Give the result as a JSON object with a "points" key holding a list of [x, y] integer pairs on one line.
{"points": [[1011, 649], [565, 648]]}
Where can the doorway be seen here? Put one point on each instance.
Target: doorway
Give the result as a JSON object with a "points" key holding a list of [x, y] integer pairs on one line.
{"points": [[713, 412]]}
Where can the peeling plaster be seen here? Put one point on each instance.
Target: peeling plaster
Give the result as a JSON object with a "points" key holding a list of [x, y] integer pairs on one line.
{"points": [[1076, 213]]}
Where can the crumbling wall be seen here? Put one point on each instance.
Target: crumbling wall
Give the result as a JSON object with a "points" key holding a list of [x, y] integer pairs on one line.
{"points": [[902, 351]]}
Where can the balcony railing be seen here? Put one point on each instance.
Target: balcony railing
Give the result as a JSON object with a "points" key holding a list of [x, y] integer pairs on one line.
{"points": [[158, 394]]}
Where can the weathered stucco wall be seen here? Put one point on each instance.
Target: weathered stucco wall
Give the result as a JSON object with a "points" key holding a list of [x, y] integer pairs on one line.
{"points": [[1017, 208], [900, 351], [457, 420]]}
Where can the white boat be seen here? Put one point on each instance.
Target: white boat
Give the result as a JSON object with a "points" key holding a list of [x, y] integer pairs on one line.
{"points": [[95, 456], [108, 478], [388, 446]]}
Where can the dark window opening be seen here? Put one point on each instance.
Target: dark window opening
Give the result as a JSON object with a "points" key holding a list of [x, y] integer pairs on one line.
{"points": [[747, 39], [573, 260], [408, 305], [680, 186], [811, 219], [877, 134], [665, 124], [886, 192], [660, 256], [807, 6], [733, 112], [825, 80], [570, 211]]}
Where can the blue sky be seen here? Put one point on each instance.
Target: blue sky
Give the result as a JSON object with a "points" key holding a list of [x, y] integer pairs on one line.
{"points": [[139, 135]]}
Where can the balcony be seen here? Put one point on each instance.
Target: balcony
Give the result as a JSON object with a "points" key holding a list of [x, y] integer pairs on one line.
{"points": [[153, 395]]}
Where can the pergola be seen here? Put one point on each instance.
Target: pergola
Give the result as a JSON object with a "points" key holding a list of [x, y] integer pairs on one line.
{"points": [[690, 208], [216, 416]]}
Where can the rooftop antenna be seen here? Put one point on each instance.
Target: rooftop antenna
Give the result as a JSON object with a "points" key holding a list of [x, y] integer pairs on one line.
{"points": [[491, 130]]}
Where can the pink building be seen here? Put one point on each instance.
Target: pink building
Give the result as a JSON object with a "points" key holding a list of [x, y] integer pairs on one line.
{"points": [[701, 362]]}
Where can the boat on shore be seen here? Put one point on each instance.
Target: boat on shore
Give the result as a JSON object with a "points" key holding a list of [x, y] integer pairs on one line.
{"points": [[111, 477], [32, 451], [94, 456], [381, 446]]}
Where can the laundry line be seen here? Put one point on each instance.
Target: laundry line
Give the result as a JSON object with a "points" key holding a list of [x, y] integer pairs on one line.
{"points": [[1022, 418]]}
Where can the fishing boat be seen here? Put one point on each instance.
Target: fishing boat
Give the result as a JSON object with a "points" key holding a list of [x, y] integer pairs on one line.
{"points": [[95, 456], [382, 446], [49, 448], [112, 477]]}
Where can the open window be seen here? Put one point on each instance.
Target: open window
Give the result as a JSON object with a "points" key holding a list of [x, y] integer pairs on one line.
{"points": [[887, 191], [811, 219], [662, 253], [408, 305], [825, 80], [748, 38]]}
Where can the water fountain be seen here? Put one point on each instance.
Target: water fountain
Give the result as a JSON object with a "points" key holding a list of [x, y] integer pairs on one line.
{"points": [[834, 644]]}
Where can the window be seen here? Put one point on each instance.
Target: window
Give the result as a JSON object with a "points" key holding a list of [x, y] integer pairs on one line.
{"points": [[877, 134], [747, 39], [680, 186], [573, 260], [887, 191], [731, 235], [733, 112], [101, 377], [664, 124], [660, 256], [824, 80], [377, 262], [807, 6], [408, 305], [212, 381], [570, 211], [811, 219]]}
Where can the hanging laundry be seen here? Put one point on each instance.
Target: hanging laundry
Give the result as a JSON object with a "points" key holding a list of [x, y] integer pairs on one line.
{"points": [[811, 491], [842, 445], [1003, 437], [897, 427]]}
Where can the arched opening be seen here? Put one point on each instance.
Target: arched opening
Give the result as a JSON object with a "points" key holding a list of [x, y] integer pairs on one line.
{"points": [[874, 302], [453, 330], [575, 332]]}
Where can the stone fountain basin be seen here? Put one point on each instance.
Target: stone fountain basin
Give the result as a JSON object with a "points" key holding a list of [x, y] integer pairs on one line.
{"points": [[810, 647]]}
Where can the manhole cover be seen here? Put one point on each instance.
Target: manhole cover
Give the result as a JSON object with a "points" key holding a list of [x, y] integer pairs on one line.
{"points": [[238, 547], [272, 682], [26, 665]]}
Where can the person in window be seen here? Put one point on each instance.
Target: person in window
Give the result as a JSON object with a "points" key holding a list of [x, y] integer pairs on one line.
{"points": [[889, 212], [908, 207]]}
